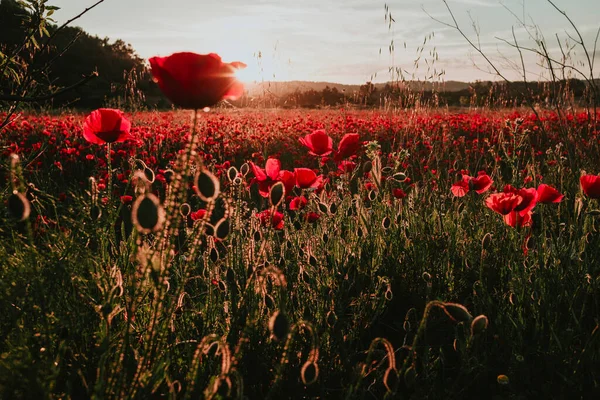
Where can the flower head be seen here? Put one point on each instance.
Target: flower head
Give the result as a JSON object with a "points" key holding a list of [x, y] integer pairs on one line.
{"points": [[348, 146], [318, 143], [503, 203], [275, 220], [106, 125], [196, 81], [307, 178], [548, 194], [590, 185]]}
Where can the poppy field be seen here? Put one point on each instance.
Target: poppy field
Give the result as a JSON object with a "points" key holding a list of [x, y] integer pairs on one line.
{"points": [[300, 254]]}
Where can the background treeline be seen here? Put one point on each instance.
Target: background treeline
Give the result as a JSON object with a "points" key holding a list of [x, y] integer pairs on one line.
{"points": [[124, 80]]}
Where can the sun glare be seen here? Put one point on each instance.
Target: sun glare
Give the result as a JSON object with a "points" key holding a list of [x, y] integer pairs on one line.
{"points": [[249, 74]]}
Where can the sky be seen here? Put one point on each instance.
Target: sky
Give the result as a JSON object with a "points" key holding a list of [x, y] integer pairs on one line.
{"points": [[345, 41]]}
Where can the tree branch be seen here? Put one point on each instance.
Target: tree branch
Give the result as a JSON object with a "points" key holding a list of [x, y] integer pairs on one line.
{"points": [[10, 97]]}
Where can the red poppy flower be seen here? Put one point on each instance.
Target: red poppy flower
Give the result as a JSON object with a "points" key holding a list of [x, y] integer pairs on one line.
{"points": [[503, 203], [480, 184], [126, 199], [590, 185], [318, 142], [289, 180], [298, 203], [307, 178], [198, 215], [548, 194], [346, 166], [196, 81], [529, 199], [398, 193], [270, 175], [348, 146], [312, 217], [275, 220], [518, 220], [461, 188], [106, 125]]}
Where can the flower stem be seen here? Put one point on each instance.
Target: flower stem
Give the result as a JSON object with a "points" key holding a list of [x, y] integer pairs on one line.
{"points": [[109, 165]]}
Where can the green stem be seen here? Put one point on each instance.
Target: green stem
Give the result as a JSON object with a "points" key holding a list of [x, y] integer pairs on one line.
{"points": [[109, 166]]}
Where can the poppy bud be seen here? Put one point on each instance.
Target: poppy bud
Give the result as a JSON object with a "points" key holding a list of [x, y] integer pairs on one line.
{"points": [[323, 208], [244, 169], [95, 212], [149, 174], [147, 214], [232, 173], [309, 372], [214, 255], [279, 325], [386, 223], [207, 185], [222, 229], [185, 210], [277, 194], [169, 175], [18, 206], [367, 167], [479, 324], [457, 312], [372, 195], [399, 176]]}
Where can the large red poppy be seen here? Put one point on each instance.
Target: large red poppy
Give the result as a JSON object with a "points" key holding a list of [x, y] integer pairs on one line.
{"points": [[548, 194], [591, 185], [348, 146], [518, 220], [480, 184], [270, 175], [274, 219], [106, 125], [307, 178], [318, 143], [196, 81], [503, 203], [529, 199]]}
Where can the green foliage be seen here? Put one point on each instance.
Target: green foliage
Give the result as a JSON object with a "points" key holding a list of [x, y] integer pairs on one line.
{"points": [[440, 301]]}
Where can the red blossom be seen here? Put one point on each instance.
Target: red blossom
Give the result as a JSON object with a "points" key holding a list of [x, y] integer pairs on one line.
{"points": [[307, 178], [106, 125], [275, 220], [318, 143], [480, 184], [126, 199], [518, 220], [590, 185], [198, 215], [348, 146], [398, 193], [502, 203], [548, 194], [298, 203], [196, 81]]}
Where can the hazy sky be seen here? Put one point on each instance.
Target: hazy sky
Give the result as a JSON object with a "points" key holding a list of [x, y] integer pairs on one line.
{"points": [[335, 40]]}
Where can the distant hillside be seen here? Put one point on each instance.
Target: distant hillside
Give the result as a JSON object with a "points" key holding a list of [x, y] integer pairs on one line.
{"points": [[282, 88]]}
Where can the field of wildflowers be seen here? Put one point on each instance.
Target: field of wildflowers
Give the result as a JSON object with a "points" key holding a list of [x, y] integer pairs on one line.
{"points": [[295, 254]]}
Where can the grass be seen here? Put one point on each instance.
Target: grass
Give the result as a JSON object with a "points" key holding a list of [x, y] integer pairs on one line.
{"points": [[377, 298]]}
